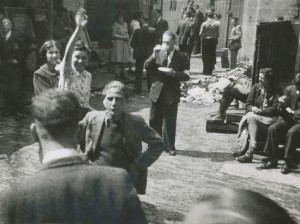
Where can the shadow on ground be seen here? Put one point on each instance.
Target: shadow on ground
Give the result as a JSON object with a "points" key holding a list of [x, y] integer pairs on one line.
{"points": [[161, 216], [214, 156]]}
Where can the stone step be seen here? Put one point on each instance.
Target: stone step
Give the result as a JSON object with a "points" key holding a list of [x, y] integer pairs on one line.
{"points": [[234, 115]]}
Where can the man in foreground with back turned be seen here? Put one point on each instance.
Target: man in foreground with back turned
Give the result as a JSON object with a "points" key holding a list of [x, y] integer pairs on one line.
{"points": [[67, 189]]}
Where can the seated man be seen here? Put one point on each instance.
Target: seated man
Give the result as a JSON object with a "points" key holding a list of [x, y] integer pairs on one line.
{"points": [[114, 137], [237, 89], [67, 189], [286, 128]]}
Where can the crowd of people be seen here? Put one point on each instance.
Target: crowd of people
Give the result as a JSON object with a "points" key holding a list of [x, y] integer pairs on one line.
{"points": [[93, 165]]}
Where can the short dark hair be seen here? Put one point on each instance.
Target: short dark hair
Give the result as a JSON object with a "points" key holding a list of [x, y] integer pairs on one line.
{"points": [[158, 11], [218, 15], [170, 34], [47, 45], [268, 73], [81, 46], [188, 13], [119, 14], [81, 12], [235, 19], [136, 15], [57, 111], [210, 14], [116, 85]]}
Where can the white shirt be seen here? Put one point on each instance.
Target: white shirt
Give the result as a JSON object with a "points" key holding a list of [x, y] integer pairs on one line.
{"points": [[59, 154]]}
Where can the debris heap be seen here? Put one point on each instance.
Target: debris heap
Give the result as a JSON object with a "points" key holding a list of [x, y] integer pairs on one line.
{"points": [[208, 90]]}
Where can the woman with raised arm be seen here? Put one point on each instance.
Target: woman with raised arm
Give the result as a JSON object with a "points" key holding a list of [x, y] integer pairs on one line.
{"points": [[73, 76]]}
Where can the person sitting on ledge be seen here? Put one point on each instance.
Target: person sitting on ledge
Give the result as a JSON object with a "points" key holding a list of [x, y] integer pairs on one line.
{"points": [[287, 128], [261, 107]]}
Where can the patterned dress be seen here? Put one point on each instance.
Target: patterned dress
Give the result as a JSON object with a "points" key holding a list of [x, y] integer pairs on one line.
{"points": [[79, 83], [120, 50]]}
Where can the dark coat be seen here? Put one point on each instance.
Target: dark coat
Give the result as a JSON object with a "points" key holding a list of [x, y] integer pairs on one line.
{"points": [[43, 80], [170, 86], [256, 99], [185, 32], [161, 26], [70, 190], [12, 49], [135, 131], [291, 93], [143, 42]]}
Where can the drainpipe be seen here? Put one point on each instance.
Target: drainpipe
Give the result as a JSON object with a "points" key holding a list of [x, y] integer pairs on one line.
{"points": [[50, 18], [228, 23]]}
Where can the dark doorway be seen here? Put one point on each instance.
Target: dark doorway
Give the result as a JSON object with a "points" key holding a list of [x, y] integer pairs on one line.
{"points": [[102, 14], [276, 47]]}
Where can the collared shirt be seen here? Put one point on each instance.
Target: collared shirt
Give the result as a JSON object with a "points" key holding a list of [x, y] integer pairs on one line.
{"points": [[59, 154], [209, 29]]}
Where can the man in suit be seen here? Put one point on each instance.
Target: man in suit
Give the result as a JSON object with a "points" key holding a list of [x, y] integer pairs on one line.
{"points": [[160, 26], [235, 43], [165, 90], [11, 58], [114, 137], [142, 42], [285, 129], [67, 188], [198, 20], [185, 34]]}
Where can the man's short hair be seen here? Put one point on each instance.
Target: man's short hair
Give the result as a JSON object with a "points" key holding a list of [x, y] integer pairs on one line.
{"points": [[116, 85], [235, 19], [268, 73], [170, 34], [81, 46], [158, 11], [188, 13], [218, 15], [56, 110], [210, 14]]}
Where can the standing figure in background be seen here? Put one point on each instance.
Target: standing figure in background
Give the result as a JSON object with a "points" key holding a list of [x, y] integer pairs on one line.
{"points": [[234, 42], [143, 42], [46, 77], [210, 33], [165, 91], [121, 49], [185, 34], [190, 7], [160, 26], [11, 59], [198, 20]]}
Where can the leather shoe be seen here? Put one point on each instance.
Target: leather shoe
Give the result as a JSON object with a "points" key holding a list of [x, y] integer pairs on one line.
{"points": [[285, 169], [269, 165], [237, 154], [244, 159], [172, 153]]}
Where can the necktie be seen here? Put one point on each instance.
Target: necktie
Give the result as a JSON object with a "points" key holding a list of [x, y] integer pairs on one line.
{"points": [[165, 62]]}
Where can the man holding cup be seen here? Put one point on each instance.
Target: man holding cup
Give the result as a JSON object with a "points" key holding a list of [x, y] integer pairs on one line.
{"points": [[169, 67]]}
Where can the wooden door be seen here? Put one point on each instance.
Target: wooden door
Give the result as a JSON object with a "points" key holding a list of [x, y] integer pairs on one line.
{"points": [[228, 9]]}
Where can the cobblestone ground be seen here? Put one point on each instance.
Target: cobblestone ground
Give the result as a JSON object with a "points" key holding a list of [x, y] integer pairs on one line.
{"points": [[203, 165]]}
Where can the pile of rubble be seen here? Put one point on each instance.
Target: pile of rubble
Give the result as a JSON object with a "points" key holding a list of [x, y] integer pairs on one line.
{"points": [[208, 90]]}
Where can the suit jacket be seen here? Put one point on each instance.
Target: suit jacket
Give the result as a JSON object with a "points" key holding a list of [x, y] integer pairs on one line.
{"points": [[256, 99], [12, 48], [70, 190], [135, 131], [291, 93], [163, 84], [236, 34], [185, 32], [143, 42], [160, 26]]}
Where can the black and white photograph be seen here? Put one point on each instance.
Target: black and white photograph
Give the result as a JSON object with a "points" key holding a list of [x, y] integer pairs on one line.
{"points": [[150, 111]]}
